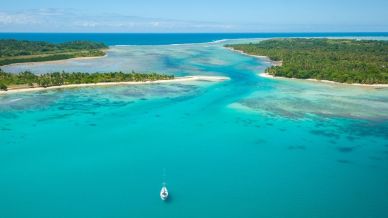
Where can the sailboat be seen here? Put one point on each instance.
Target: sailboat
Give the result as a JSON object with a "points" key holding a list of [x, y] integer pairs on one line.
{"points": [[164, 192]]}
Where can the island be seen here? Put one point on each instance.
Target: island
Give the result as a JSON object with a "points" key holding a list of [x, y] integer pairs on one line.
{"points": [[338, 60], [28, 81], [21, 51]]}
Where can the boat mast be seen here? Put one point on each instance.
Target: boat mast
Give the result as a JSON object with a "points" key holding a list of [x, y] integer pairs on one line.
{"points": [[164, 177]]}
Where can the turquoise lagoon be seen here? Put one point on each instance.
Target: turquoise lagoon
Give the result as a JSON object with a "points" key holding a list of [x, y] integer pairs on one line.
{"points": [[247, 147]]}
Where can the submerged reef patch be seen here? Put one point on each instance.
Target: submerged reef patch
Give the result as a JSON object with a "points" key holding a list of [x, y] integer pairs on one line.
{"points": [[342, 161], [329, 134], [345, 149]]}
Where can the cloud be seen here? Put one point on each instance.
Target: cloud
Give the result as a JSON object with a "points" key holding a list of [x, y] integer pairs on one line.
{"points": [[17, 19], [70, 20]]}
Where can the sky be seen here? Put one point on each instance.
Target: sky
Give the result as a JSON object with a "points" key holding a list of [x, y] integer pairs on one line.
{"points": [[165, 16]]}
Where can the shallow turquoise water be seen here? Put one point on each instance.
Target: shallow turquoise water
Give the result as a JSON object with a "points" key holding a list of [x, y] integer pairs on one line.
{"points": [[248, 147]]}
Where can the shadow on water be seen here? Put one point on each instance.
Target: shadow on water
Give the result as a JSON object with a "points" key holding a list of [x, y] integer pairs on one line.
{"points": [[169, 200]]}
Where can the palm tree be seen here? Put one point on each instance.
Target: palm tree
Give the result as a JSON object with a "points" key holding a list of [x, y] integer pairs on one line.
{"points": [[3, 87]]}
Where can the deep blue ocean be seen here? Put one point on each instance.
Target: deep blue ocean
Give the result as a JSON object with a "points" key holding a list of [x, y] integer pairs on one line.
{"points": [[251, 146], [165, 39]]}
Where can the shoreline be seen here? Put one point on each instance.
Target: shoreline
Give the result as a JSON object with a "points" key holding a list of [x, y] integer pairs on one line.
{"points": [[279, 63], [266, 75], [176, 79], [266, 58], [55, 61]]}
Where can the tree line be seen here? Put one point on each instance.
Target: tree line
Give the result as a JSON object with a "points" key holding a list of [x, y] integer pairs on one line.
{"points": [[62, 78], [20, 51], [340, 60]]}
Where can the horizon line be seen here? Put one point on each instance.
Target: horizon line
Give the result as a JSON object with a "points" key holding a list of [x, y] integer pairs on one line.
{"points": [[280, 32]]}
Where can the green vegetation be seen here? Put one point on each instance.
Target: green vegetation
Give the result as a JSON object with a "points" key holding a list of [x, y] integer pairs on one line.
{"points": [[28, 79], [340, 60], [3, 87], [17, 51]]}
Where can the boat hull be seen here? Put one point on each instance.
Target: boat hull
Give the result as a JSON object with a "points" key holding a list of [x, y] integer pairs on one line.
{"points": [[164, 193]]}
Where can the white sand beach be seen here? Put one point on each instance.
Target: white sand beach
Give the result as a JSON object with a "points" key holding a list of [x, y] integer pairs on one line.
{"points": [[279, 63], [63, 61], [273, 63], [175, 80], [266, 75]]}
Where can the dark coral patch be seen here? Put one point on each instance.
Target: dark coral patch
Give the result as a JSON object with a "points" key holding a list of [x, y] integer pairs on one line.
{"points": [[375, 158], [344, 161], [325, 133], [345, 149], [333, 142]]}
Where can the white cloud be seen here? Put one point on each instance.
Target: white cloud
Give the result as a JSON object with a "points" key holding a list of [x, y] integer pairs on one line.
{"points": [[17, 18], [69, 20]]}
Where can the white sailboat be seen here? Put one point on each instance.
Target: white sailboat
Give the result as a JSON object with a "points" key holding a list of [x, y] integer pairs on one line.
{"points": [[164, 192]]}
